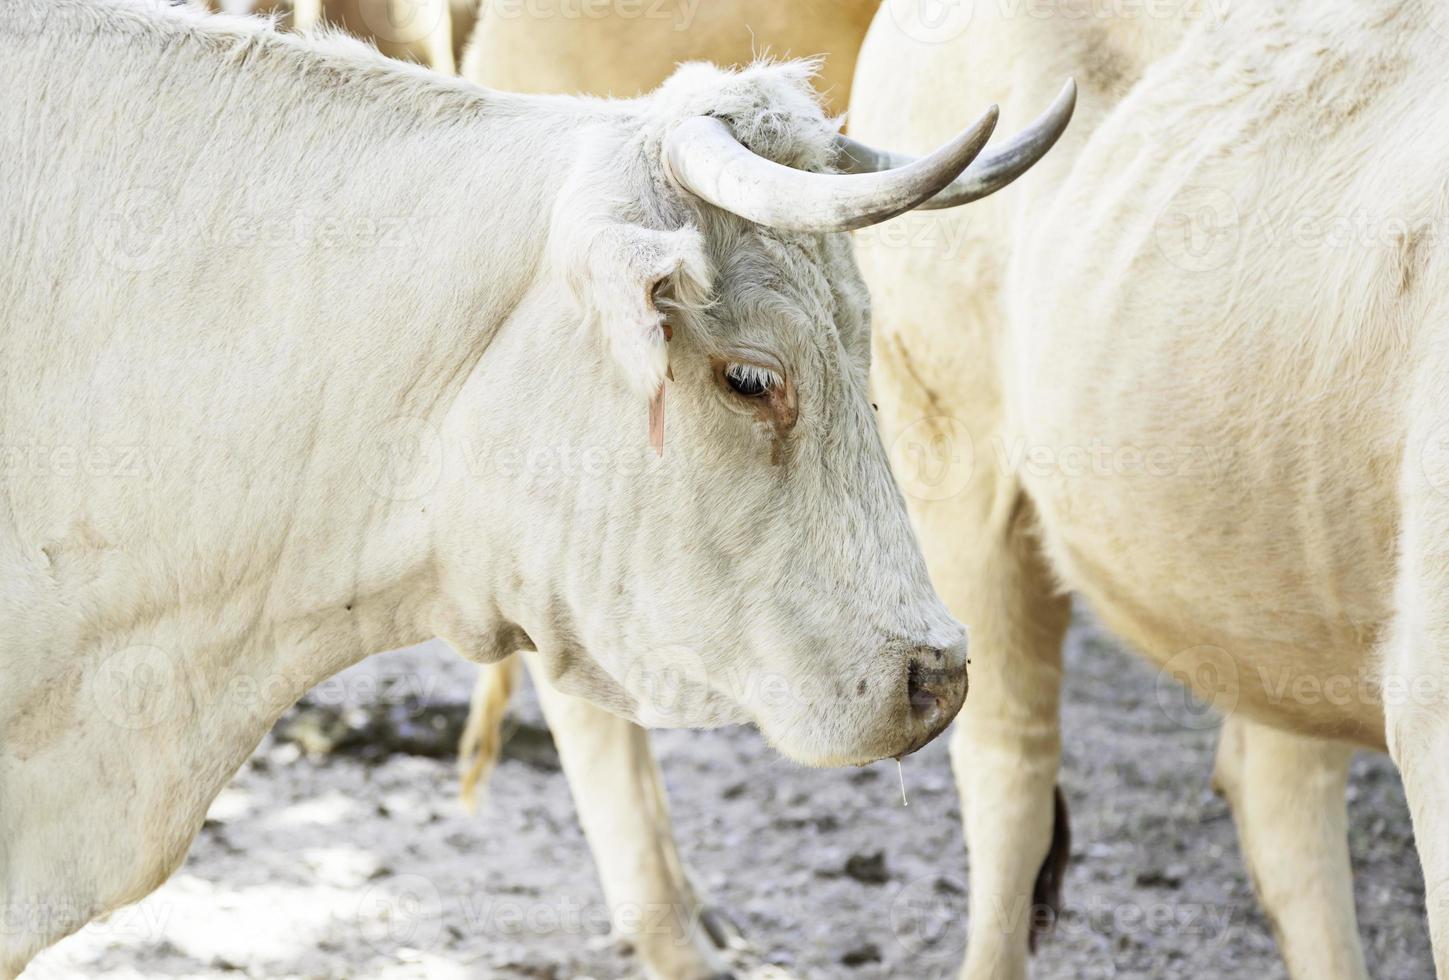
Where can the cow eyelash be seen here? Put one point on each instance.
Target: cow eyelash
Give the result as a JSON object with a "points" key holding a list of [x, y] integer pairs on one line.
{"points": [[751, 380]]}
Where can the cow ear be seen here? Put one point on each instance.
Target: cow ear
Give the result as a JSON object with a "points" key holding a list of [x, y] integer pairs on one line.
{"points": [[620, 284]]}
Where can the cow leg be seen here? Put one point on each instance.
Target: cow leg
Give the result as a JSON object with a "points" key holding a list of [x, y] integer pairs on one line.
{"points": [[936, 340], [1006, 752], [1288, 795], [619, 794], [1419, 742], [11, 959], [306, 14], [1006, 744], [1416, 664], [426, 31]]}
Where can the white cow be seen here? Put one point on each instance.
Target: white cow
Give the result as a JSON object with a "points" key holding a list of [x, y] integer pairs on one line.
{"points": [[226, 482], [1194, 370], [430, 32], [617, 50], [602, 47]]}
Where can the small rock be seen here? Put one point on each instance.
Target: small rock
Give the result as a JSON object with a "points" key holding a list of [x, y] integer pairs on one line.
{"points": [[868, 869], [1159, 878], [861, 955]]}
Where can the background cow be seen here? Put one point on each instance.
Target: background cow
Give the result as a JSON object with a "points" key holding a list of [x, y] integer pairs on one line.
{"points": [[617, 50], [624, 49], [429, 32], [1196, 365]]}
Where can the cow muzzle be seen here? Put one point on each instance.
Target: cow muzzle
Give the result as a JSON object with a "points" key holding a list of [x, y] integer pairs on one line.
{"points": [[936, 686]]}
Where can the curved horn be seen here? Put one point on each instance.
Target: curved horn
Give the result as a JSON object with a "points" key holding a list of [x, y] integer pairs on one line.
{"points": [[705, 158], [990, 173]]}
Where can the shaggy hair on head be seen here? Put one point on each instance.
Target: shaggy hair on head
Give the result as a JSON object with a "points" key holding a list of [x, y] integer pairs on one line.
{"points": [[715, 271], [770, 106]]}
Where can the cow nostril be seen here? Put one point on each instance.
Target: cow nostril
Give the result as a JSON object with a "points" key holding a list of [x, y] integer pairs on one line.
{"points": [[924, 702]]}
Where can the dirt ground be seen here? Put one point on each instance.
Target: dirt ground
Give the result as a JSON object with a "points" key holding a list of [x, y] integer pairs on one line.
{"points": [[358, 861]]}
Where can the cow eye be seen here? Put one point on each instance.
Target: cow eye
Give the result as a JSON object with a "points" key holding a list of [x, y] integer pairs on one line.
{"points": [[750, 380]]}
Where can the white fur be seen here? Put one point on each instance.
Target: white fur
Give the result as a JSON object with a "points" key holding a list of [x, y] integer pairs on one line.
{"points": [[1293, 378], [329, 301]]}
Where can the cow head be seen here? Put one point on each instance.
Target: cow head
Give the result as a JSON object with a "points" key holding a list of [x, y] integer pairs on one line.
{"points": [[692, 518]]}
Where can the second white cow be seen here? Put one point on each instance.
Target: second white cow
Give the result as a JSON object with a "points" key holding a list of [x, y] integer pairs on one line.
{"points": [[1193, 371]]}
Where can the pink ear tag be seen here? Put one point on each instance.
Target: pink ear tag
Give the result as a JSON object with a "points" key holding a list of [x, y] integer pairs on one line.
{"points": [[656, 405], [656, 421]]}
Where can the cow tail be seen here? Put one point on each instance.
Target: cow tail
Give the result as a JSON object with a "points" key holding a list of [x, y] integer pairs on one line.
{"points": [[482, 739], [1047, 893]]}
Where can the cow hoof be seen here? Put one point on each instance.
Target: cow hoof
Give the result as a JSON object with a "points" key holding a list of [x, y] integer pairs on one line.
{"points": [[708, 949], [721, 931]]}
